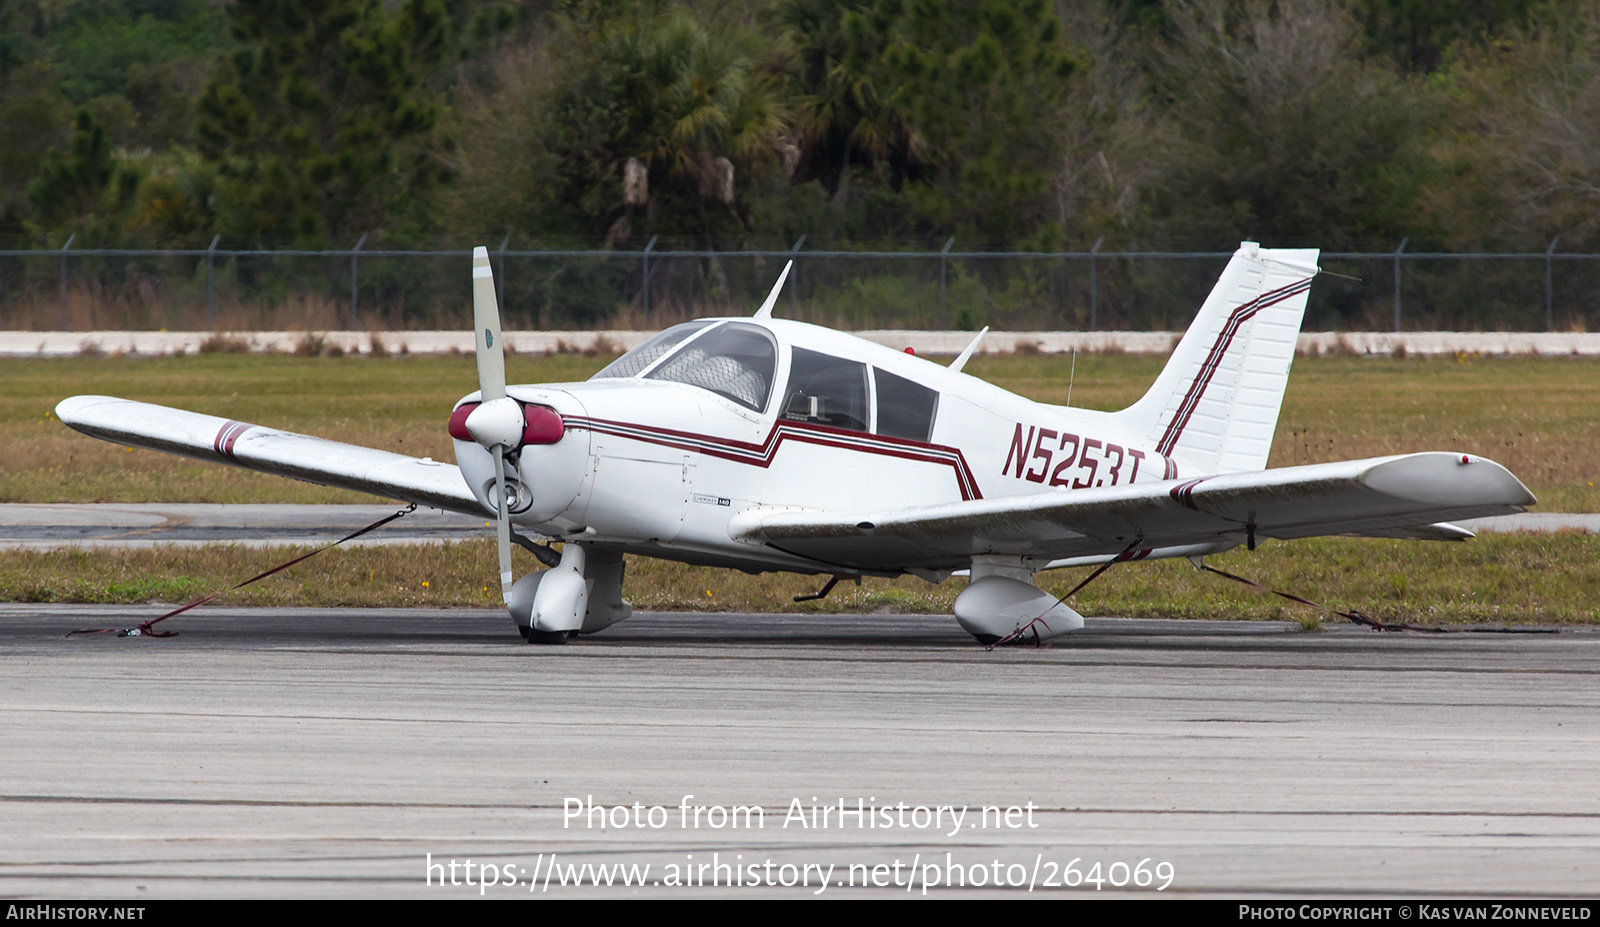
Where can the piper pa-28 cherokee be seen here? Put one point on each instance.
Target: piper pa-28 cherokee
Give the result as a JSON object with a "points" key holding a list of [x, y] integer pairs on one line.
{"points": [[763, 444]]}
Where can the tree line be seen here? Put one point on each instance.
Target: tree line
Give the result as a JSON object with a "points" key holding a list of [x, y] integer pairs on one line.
{"points": [[729, 124]]}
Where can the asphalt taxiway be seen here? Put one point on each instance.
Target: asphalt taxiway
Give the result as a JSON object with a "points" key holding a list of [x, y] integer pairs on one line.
{"points": [[25, 526], [309, 753]]}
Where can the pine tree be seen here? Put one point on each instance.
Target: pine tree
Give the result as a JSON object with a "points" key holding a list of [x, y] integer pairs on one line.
{"points": [[322, 125], [80, 190], [983, 81]]}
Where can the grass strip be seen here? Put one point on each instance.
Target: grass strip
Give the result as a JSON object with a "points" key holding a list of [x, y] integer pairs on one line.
{"points": [[1501, 579], [1539, 417]]}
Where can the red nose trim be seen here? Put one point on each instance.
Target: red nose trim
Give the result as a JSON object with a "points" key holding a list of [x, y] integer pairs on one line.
{"points": [[544, 426], [458, 421]]}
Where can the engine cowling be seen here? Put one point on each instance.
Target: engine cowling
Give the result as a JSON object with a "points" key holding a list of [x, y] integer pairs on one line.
{"points": [[547, 463]]}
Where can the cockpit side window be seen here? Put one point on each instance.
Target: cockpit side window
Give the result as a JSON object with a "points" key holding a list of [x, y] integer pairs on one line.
{"points": [[827, 390], [905, 409], [735, 361], [634, 362]]}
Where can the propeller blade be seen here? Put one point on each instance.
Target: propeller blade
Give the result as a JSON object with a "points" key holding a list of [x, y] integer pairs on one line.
{"points": [[502, 523], [486, 316], [492, 381]]}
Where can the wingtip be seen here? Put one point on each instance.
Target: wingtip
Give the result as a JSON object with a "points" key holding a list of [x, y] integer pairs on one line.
{"points": [[1441, 477], [67, 409]]}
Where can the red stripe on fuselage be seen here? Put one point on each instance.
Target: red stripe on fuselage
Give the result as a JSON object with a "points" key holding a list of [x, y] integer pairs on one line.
{"points": [[761, 455]]}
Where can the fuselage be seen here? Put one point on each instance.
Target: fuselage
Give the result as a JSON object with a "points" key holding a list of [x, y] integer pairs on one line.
{"points": [[664, 448]]}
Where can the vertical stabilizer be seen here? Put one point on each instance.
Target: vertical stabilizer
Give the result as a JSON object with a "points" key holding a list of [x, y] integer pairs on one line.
{"points": [[1215, 405]]}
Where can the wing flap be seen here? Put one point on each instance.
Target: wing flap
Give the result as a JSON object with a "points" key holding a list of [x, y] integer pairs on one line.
{"points": [[1443, 531], [1379, 497], [268, 450]]}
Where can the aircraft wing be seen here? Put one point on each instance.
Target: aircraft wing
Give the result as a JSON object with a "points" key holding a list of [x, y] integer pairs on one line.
{"points": [[283, 453], [1404, 496]]}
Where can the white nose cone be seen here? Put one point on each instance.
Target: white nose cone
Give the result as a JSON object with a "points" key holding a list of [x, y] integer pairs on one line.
{"points": [[498, 421]]}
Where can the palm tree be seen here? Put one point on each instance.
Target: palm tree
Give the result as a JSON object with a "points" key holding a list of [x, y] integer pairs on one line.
{"points": [[696, 105], [847, 114]]}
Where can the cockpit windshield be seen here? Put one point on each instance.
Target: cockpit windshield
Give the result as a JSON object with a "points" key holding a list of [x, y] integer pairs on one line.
{"points": [[634, 362], [733, 360]]}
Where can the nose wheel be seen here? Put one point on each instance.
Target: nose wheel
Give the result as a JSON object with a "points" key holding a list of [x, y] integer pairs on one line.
{"points": [[534, 636]]}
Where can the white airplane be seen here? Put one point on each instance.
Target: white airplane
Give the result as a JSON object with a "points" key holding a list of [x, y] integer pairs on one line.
{"points": [[769, 445]]}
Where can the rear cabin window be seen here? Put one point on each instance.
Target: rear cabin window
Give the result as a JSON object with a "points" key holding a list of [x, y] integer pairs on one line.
{"points": [[734, 361], [826, 390], [905, 409]]}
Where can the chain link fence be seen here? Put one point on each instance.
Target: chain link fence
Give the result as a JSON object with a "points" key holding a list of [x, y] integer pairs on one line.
{"points": [[360, 288]]}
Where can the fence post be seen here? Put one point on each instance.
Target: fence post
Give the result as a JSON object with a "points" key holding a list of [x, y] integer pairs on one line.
{"points": [[1549, 296], [211, 293], [794, 283], [944, 311], [644, 275], [355, 281], [500, 278], [1094, 285], [1400, 250], [1397, 252], [64, 279]]}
